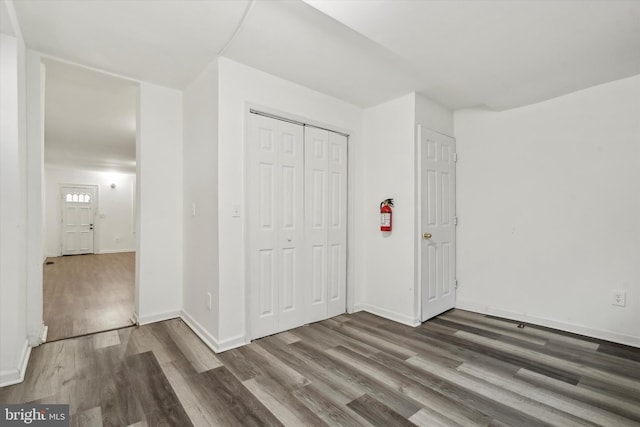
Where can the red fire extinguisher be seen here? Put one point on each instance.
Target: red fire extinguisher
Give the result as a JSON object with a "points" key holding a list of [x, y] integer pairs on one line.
{"points": [[386, 214]]}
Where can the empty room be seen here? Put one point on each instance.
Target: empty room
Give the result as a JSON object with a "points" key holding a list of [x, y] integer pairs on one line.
{"points": [[317, 212]]}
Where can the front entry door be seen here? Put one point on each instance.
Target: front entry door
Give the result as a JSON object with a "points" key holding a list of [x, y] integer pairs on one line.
{"points": [[78, 204], [438, 221]]}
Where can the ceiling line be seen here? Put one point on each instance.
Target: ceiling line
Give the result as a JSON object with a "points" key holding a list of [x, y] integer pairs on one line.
{"points": [[88, 67], [238, 28]]}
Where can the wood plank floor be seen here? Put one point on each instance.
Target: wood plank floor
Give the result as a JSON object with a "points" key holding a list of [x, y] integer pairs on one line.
{"points": [[460, 368], [84, 294]]}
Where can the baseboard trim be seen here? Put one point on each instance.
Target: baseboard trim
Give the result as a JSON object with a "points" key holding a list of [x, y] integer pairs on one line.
{"points": [[602, 334], [158, 317], [135, 319], [387, 314], [114, 251], [16, 376], [210, 340], [39, 338]]}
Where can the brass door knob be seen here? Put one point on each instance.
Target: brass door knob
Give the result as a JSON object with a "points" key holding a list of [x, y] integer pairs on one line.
{"points": [[426, 236]]}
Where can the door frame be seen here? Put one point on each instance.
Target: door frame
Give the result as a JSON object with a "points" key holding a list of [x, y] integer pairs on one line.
{"points": [[418, 221], [286, 116], [36, 193], [96, 207]]}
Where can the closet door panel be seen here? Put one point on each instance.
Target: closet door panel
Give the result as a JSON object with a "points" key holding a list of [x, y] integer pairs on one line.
{"points": [[317, 218], [276, 227], [291, 287], [337, 225]]}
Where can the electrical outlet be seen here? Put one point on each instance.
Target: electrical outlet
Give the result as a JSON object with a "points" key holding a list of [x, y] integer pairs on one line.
{"points": [[619, 298], [209, 300]]}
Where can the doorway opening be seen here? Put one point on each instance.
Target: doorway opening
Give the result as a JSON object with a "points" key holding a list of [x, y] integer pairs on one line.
{"points": [[89, 191]]}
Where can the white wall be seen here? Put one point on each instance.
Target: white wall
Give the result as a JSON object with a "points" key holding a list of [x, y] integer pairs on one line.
{"points": [[388, 133], [549, 208], [159, 171], [200, 246], [35, 85], [434, 116], [391, 275], [14, 348], [114, 219], [239, 86]]}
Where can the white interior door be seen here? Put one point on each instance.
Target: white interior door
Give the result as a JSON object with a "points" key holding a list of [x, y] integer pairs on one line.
{"points": [[276, 225], [78, 207], [438, 210], [326, 216]]}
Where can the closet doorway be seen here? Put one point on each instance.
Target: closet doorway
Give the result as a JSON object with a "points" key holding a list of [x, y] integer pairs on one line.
{"points": [[297, 224]]}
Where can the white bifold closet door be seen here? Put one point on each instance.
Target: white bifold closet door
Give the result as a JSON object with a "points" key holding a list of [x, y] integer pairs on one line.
{"points": [[297, 224], [325, 221]]}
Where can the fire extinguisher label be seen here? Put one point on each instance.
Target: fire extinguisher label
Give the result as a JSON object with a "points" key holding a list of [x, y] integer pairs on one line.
{"points": [[385, 220]]}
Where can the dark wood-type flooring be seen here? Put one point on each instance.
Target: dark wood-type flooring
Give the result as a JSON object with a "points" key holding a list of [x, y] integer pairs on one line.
{"points": [[460, 368], [84, 294]]}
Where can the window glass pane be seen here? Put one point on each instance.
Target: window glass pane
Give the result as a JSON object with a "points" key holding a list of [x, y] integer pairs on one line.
{"points": [[75, 197], [68, 197]]}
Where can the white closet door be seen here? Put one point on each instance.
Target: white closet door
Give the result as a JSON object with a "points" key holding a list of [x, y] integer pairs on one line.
{"points": [[337, 225], [275, 188], [316, 212], [325, 218]]}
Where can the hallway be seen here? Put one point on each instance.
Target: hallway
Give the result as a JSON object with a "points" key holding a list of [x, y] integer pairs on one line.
{"points": [[84, 294]]}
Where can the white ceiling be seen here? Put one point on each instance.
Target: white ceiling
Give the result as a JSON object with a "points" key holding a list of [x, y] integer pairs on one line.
{"points": [[460, 53], [501, 54], [90, 118], [6, 27], [167, 42]]}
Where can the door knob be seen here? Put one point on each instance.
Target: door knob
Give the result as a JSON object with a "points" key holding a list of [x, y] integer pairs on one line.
{"points": [[426, 236]]}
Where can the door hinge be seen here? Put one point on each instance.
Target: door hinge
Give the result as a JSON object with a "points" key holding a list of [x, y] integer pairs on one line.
{"points": [[455, 220], [455, 283], [455, 157]]}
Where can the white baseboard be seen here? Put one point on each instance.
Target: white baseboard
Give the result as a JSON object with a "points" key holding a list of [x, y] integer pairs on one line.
{"points": [[388, 314], [157, 317], [15, 376], [39, 338], [602, 334], [211, 341], [114, 251], [135, 319]]}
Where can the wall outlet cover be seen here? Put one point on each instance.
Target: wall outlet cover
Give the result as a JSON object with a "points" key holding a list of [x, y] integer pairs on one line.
{"points": [[619, 298]]}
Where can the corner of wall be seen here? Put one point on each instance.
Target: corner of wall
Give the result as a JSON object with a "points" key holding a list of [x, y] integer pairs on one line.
{"points": [[16, 376], [211, 341]]}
